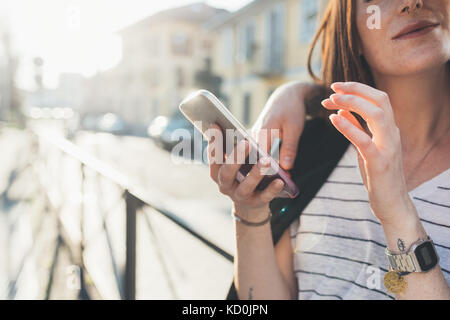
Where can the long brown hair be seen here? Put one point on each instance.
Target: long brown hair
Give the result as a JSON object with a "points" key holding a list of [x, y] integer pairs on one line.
{"points": [[340, 56]]}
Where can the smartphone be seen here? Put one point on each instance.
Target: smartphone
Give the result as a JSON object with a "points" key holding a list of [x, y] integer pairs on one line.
{"points": [[203, 109]]}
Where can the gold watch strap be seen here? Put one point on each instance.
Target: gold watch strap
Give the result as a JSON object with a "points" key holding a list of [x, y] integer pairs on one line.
{"points": [[405, 262]]}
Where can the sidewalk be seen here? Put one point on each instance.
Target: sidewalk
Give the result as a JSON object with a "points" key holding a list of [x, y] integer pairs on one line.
{"points": [[27, 234], [171, 264]]}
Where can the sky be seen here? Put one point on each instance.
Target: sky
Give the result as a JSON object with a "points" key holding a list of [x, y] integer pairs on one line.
{"points": [[77, 35]]}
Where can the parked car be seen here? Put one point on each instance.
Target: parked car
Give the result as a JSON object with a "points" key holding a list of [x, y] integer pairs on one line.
{"points": [[163, 131], [112, 123], [108, 122], [156, 127], [90, 122]]}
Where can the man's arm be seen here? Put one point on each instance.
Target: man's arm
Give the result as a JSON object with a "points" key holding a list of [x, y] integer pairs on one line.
{"points": [[284, 111]]}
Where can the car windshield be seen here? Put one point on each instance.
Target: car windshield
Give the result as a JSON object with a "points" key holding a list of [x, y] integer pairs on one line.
{"points": [[178, 120]]}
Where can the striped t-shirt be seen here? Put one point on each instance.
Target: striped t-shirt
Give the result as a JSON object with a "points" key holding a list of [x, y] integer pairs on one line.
{"points": [[339, 245]]}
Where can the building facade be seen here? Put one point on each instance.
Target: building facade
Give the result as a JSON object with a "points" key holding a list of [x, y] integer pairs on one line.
{"points": [[161, 56], [252, 51], [6, 76], [261, 47]]}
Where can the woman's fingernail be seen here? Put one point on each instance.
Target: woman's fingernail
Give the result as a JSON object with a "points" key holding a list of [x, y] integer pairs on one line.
{"points": [[209, 132], [336, 84], [287, 161], [264, 161], [279, 183], [334, 96], [334, 117]]}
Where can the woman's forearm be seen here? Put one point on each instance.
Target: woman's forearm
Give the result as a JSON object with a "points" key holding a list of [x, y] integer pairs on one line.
{"points": [[257, 275], [293, 92], [256, 272], [420, 285]]}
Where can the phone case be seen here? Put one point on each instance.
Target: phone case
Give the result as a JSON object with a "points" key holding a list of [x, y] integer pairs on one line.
{"points": [[203, 109]]}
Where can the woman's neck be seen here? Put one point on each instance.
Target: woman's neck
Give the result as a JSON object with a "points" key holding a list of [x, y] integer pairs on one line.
{"points": [[421, 105]]}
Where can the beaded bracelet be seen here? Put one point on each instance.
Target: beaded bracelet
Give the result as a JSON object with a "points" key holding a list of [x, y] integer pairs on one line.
{"points": [[251, 224]]}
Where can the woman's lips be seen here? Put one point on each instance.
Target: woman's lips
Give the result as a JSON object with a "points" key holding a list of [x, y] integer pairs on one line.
{"points": [[416, 31]]}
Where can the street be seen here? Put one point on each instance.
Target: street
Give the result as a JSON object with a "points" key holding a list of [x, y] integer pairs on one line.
{"points": [[171, 263], [188, 191]]}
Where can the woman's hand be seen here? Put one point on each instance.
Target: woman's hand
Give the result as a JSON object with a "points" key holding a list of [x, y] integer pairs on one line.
{"points": [[284, 111], [248, 202], [379, 155]]}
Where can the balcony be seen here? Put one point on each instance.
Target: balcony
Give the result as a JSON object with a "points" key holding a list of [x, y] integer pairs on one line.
{"points": [[267, 62]]}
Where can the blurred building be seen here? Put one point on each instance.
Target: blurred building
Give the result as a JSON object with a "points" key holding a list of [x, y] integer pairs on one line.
{"points": [[68, 94], [161, 57], [260, 47], [6, 75]]}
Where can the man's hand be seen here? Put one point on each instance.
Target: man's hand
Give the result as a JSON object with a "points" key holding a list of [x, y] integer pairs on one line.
{"points": [[284, 111]]}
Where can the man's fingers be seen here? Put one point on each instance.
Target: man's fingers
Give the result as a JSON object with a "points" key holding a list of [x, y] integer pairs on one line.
{"points": [[266, 135], [290, 138]]}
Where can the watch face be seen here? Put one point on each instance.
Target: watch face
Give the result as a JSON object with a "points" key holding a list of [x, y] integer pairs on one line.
{"points": [[426, 256]]}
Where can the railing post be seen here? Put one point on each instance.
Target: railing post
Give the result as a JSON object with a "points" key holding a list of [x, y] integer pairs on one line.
{"points": [[130, 262], [83, 294]]}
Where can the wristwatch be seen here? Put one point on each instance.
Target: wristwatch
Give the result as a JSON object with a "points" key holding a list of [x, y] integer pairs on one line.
{"points": [[421, 257]]}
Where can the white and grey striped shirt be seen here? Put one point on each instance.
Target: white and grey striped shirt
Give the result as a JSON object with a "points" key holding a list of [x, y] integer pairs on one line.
{"points": [[339, 244]]}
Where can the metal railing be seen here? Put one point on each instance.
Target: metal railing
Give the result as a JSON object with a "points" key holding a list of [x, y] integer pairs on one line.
{"points": [[135, 198]]}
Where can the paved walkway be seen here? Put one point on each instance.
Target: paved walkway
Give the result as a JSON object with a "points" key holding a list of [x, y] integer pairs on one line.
{"points": [[27, 234], [171, 264]]}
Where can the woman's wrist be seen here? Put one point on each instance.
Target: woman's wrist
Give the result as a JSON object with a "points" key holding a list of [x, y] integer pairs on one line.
{"points": [[251, 223], [251, 234], [396, 214], [403, 229], [252, 215]]}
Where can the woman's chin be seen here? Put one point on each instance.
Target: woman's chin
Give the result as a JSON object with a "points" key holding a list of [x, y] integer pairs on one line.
{"points": [[415, 64]]}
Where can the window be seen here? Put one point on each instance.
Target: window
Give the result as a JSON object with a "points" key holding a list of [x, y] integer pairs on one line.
{"points": [[153, 45], [207, 64], [275, 29], [207, 45], [308, 20], [247, 109], [155, 108], [181, 44], [180, 77], [246, 41], [153, 76], [228, 47]]}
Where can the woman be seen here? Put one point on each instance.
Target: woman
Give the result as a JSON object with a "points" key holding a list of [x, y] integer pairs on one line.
{"points": [[389, 190]]}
